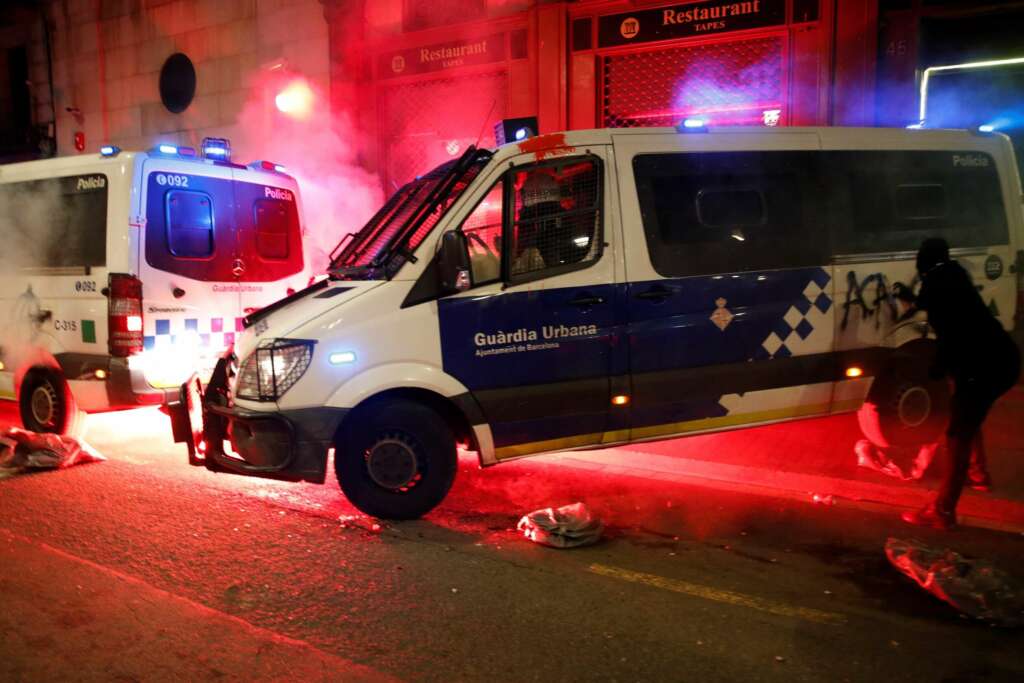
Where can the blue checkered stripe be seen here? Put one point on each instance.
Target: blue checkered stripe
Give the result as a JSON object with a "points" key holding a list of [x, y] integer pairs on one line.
{"points": [[217, 332], [794, 333]]}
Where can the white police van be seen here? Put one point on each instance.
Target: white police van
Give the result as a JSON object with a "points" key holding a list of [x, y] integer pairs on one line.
{"points": [[593, 288], [127, 272]]}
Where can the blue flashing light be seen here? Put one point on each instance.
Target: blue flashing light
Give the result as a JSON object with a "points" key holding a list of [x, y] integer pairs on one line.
{"points": [[217, 148], [986, 128], [522, 133], [916, 126], [167, 149], [342, 358], [109, 150], [693, 125], [280, 168]]}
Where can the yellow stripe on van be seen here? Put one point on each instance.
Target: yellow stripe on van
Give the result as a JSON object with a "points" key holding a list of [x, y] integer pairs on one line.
{"points": [[704, 424]]}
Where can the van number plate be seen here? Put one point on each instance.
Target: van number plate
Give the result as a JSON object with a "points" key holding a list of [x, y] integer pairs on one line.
{"points": [[172, 179]]}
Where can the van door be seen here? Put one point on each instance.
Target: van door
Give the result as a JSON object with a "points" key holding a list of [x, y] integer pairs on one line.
{"points": [[956, 193], [269, 258], [533, 338], [730, 284], [191, 310]]}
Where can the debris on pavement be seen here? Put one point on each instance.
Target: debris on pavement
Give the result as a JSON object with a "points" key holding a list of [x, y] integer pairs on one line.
{"points": [[974, 587], [886, 461], [569, 526], [23, 451]]}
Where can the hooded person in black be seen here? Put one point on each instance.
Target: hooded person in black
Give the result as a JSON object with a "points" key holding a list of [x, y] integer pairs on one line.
{"points": [[976, 352]]}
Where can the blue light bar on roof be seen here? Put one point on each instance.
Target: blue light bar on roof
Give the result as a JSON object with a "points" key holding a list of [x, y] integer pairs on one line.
{"points": [[167, 149], [109, 150], [217, 148], [693, 125]]}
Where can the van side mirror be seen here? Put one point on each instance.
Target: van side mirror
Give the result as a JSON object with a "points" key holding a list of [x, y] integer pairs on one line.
{"points": [[453, 263]]}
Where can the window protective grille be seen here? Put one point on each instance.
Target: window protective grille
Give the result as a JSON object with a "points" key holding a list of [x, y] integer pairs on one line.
{"points": [[733, 82], [425, 123], [556, 216]]}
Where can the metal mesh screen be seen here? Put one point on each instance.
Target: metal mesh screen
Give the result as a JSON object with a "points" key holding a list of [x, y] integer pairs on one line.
{"points": [[737, 82], [556, 216], [427, 123], [483, 236]]}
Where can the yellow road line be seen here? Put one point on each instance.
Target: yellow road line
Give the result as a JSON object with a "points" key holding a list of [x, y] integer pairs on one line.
{"points": [[718, 595]]}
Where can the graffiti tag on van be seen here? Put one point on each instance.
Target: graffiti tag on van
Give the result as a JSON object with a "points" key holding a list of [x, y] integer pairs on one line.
{"points": [[90, 182], [884, 297], [172, 179], [970, 160], [276, 193]]}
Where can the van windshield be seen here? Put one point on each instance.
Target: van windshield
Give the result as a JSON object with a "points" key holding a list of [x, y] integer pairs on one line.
{"points": [[405, 220]]}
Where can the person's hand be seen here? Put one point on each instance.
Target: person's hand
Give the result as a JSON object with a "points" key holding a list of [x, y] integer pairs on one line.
{"points": [[903, 293]]}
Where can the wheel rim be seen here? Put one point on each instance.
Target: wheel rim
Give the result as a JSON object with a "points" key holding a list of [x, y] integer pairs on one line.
{"points": [[914, 407], [392, 463], [44, 404]]}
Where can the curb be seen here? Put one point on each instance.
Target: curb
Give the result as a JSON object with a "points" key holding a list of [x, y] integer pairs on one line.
{"points": [[975, 510]]}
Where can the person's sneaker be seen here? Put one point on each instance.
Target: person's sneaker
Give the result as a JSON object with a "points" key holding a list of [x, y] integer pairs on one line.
{"points": [[930, 516]]}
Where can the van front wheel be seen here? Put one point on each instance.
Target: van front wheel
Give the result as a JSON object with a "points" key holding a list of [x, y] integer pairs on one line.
{"points": [[396, 460], [46, 404]]}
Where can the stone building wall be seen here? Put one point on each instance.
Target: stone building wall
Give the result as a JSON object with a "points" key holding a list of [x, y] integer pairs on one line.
{"points": [[107, 56]]}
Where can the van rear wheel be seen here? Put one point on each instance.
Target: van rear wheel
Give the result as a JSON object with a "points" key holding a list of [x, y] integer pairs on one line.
{"points": [[396, 460], [46, 404], [905, 407]]}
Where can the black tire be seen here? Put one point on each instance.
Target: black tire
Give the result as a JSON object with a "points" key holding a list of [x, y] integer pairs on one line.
{"points": [[396, 459], [46, 404], [905, 407]]}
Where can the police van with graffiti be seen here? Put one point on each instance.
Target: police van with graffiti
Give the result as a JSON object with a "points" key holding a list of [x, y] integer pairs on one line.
{"points": [[125, 272], [593, 288]]}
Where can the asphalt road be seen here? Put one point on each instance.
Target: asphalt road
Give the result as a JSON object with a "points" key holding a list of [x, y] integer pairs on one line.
{"points": [[143, 568]]}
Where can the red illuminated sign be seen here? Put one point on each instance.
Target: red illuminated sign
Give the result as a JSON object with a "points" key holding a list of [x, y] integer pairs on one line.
{"points": [[442, 56], [685, 21]]}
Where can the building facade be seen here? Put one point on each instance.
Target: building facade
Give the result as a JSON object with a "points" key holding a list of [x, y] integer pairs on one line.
{"points": [[429, 76], [412, 83]]}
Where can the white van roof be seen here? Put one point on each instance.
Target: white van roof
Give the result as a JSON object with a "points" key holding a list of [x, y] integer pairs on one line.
{"points": [[54, 166], [831, 137]]}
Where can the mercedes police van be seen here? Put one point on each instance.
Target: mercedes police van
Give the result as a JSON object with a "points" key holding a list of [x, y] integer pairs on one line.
{"points": [[593, 288], [125, 272]]}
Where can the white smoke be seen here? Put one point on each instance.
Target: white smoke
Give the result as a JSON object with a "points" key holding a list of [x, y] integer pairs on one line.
{"points": [[320, 148]]}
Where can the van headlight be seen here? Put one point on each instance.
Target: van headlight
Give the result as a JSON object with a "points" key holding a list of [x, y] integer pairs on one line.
{"points": [[273, 368]]}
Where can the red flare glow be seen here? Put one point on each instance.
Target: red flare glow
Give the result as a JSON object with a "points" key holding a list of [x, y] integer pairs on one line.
{"points": [[296, 100]]}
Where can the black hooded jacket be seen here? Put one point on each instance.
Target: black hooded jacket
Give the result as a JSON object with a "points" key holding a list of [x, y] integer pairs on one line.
{"points": [[972, 343]]}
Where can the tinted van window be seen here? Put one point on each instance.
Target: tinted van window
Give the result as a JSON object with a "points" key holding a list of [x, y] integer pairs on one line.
{"points": [[202, 229], [725, 212], [189, 224], [271, 221], [892, 200], [55, 223]]}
